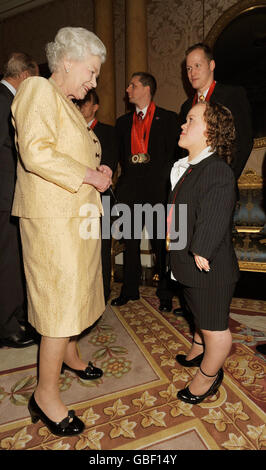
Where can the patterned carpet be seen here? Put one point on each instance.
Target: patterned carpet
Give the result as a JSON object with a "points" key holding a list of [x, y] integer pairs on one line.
{"points": [[134, 404]]}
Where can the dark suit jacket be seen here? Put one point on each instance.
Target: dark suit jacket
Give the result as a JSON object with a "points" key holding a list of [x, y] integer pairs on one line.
{"points": [[209, 191], [107, 137], [235, 99], [149, 182], [8, 155]]}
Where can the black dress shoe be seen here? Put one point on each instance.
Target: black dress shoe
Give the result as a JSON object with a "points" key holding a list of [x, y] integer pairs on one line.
{"points": [[195, 362], [66, 427], [165, 305], [21, 339], [90, 373], [188, 397], [122, 300]]}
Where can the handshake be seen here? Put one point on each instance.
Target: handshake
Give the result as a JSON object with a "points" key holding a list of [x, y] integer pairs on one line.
{"points": [[101, 178]]}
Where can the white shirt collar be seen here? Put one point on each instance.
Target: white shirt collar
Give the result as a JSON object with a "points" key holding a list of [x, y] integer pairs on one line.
{"points": [[202, 155], [9, 86], [144, 110], [90, 123], [183, 164]]}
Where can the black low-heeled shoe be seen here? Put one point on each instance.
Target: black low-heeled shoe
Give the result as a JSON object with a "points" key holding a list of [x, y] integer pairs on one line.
{"points": [[69, 426], [195, 362], [90, 373], [188, 397]]}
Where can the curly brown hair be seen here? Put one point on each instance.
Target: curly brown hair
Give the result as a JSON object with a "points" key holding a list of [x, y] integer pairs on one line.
{"points": [[221, 132]]}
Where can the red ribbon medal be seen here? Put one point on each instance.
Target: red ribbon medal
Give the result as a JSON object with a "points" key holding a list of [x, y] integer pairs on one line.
{"points": [[140, 131], [210, 92]]}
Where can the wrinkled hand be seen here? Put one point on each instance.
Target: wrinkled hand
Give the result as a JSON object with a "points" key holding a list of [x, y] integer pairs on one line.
{"points": [[202, 263], [105, 169], [103, 182], [99, 179]]}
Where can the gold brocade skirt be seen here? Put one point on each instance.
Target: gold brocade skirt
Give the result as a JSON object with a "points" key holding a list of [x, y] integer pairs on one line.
{"points": [[64, 275]]}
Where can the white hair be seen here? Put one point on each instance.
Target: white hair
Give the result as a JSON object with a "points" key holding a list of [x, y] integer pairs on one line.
{"points": [[75, 44]]}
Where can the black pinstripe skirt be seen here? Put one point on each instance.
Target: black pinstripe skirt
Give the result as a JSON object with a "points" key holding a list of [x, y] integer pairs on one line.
{"points": [[210, 307]]}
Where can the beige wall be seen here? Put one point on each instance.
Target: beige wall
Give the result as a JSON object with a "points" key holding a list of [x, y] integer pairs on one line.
{"points": [[31, 30], [173, 25]]}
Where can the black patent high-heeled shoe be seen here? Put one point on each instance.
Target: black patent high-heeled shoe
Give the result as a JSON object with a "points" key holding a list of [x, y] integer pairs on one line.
{"points": [[188, 397], [90, 373], [69, 426], [195, 362]]}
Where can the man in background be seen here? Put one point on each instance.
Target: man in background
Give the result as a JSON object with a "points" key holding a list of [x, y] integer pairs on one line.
{"points": [[147, 146], [14, 330], [200, 67]]}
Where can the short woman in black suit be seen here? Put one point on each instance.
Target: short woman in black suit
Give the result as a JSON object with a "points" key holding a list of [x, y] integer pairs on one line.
{"points": [[206, 265]]}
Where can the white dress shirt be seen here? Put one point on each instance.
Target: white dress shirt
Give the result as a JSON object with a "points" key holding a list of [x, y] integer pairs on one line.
{"points": [[90, 123], [144, 110], [182, 165]]}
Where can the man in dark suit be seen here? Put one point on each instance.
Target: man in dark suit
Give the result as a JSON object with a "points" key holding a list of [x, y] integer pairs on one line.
{"points": [[106, 135], [14, 331], [147, 140], [200, 67]]}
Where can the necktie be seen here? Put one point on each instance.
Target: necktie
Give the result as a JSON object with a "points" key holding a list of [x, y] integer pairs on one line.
{"points": [[140, 115], [201, 98]]}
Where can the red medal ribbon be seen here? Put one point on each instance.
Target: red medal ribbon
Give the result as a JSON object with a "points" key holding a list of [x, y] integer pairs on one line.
{"points": [[210, 92], [140, 131], [93, 124]]}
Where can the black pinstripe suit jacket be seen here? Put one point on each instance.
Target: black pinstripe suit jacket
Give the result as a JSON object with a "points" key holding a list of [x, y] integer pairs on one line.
{"points": [[209, 191]]}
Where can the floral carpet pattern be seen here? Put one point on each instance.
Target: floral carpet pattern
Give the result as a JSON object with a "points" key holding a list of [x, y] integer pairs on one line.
{"points": [[134, 404]]}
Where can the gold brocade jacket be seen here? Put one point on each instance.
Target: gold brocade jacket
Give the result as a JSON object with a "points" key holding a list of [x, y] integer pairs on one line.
{"points": [[55, 148]]}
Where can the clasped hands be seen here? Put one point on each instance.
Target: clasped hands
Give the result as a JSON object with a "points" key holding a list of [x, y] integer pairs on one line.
{"points": [[101, 178], [107, 173]]}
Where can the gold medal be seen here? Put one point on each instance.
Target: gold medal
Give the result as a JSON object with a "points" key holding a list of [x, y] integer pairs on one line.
{"points": [[145, 157], [139, 158], [135, 158]]}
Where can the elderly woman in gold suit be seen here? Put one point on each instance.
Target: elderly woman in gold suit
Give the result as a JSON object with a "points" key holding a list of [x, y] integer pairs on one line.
{"points": [[57, 198]]}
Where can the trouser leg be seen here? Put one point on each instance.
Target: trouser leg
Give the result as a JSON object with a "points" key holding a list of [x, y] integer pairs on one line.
{"points": [[12, 287], [106, 267], [132, 268], [158, 244]]}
